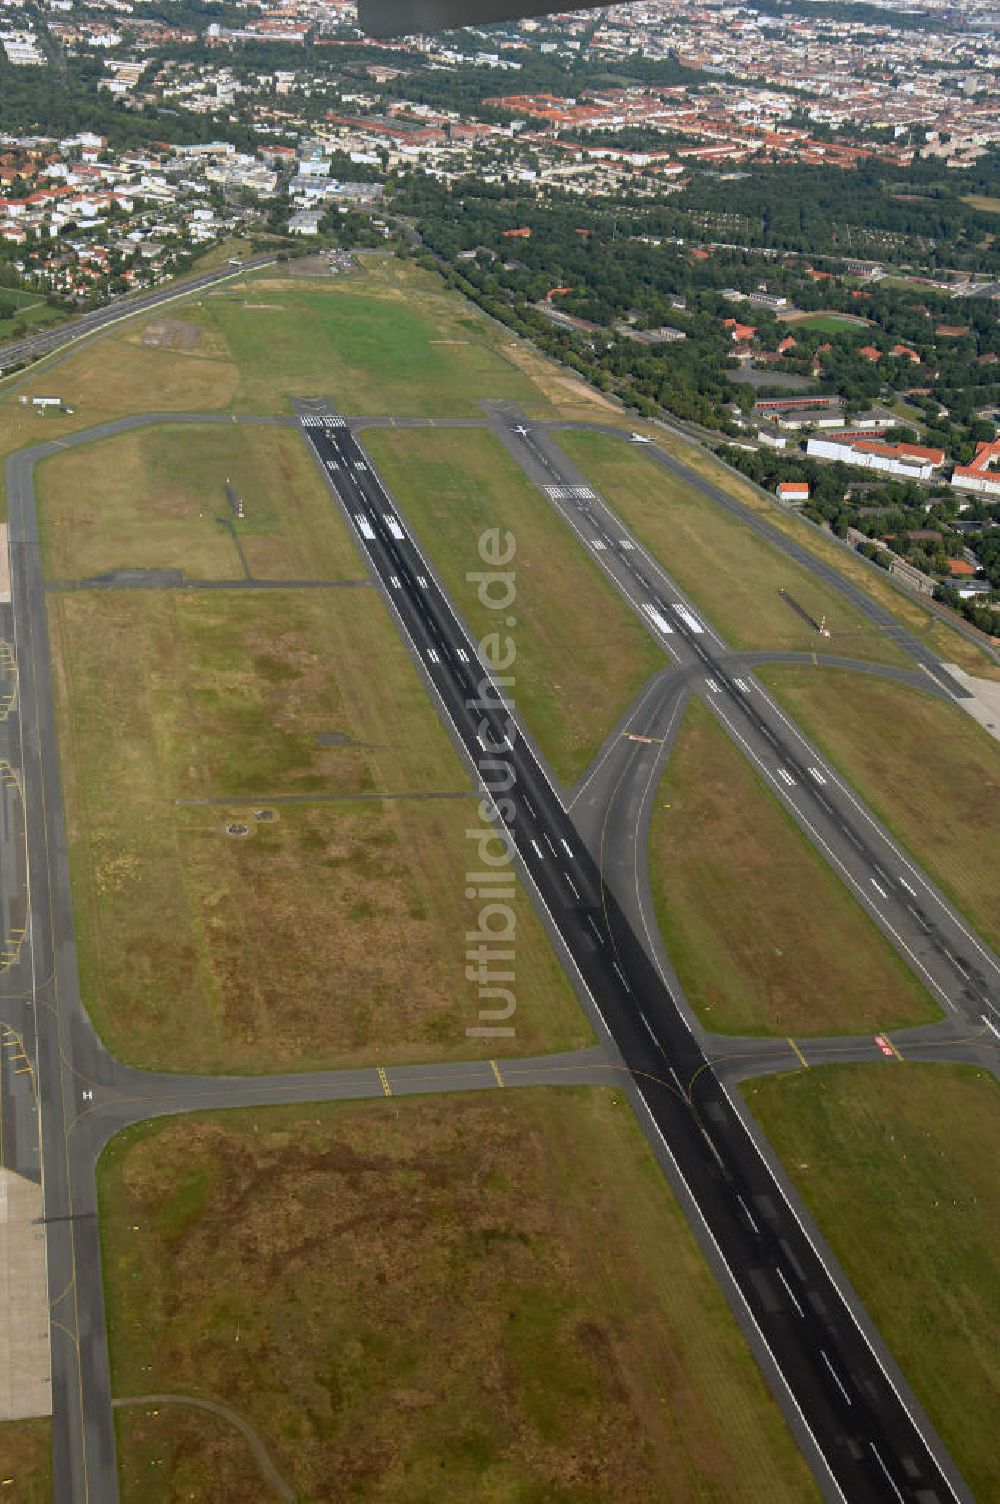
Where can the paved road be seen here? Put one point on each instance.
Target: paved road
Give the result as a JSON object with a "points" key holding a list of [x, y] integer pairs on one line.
{"points": [[849, 1408], [18, 352]]}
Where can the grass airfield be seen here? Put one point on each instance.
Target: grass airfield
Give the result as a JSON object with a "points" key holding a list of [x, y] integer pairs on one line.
{"points": [[765, 937], [313, 1267]]}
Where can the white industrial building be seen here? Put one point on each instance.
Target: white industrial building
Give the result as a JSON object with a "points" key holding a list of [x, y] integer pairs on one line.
{"points": [[910, 461]]}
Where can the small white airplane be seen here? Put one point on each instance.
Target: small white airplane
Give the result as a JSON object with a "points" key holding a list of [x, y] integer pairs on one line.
{"points": [[521, 430], [639, 438]]}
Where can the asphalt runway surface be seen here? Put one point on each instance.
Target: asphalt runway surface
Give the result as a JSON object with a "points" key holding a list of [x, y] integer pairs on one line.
{"points": [[847, 1403]]}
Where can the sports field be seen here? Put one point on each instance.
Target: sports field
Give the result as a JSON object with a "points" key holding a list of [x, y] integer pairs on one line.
{"points": [[26, 1462], [764, 936], [581, 655], [732, 575], [926, 768], [893, 1161], [466, 1297], [153, 499], [333, 931]]}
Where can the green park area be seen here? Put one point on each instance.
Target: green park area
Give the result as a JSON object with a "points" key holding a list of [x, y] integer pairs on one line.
{"points": [[926, 768], [893, 1162], [580, 653], [332, 932], [26, 1462], [156, 498], [764, 936], [311, 1267], [728, 572]]}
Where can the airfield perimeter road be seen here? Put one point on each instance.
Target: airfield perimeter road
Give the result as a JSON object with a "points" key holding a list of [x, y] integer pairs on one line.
{"points": [[34, 346], [851, 1410]]}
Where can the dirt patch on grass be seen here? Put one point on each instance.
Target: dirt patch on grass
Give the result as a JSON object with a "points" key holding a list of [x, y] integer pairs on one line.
{"points": [[764, 936], [894, 1162], [427, 1307], [173, 334]]}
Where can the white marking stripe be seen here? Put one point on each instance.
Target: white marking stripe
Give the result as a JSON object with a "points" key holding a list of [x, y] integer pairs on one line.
{"points": [[462, 655], [627, 543], [538, 849], [392, 524], [360, 465], [686, 617], [836, 1377], [421, 581], [572, 884], [565, 847], [394, 581], [877, 888], [783, 773], [911, 891], [712, 686], [621, 976], [660, 622], [314, 420], [817, 775], [741, 686], [649, 1027], [432, 655], [749, 1216], [790, 1292], [885, 1470], [364, 526], [569, 493], [596, 544]]}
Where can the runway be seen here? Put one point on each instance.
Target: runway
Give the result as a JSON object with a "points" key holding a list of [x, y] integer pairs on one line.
{"points": [[845, 1400], [845, 1407]]}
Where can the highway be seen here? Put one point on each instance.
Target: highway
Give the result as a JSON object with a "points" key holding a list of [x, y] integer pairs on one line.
{"points": [[47, 341], [862, 1434]]}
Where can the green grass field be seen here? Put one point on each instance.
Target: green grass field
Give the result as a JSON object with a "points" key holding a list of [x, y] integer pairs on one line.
{"points": [[925, 768], [581, 655], [733, 576], [386, 340], [26, 1462], [894, 1162], [311, 1267], [151, 499], [764, 936], [333, 934]]}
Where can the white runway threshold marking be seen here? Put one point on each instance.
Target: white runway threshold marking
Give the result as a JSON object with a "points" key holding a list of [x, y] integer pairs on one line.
{"points": [[659, 621], [364, 526], [569, 493]]}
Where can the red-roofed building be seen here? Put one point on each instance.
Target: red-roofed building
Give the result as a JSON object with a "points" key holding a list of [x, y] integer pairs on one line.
{"points": [[870, 352], [903, 352], [793, 490], [522, 234], [982, 475], [787, 344], [910, 460], [739, 333]]}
